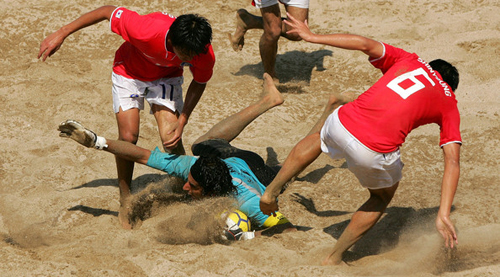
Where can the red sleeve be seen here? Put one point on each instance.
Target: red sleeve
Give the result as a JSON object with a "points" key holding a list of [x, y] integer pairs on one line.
{"points": [[203, 66], [391, 56], [121, 20], [450, 126], [141, 30]]}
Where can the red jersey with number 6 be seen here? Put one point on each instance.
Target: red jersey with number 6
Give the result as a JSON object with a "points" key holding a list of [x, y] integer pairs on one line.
{"points": [[144, 55], [408, 95]]}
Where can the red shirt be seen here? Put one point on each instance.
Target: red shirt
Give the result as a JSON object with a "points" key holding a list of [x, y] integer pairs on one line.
{"points": [[144, 54], [408, 95]]}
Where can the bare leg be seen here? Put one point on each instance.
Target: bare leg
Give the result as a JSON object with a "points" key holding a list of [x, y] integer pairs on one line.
{"points": [[362, 221], [333, 103], [303, 154], [244, 22], [166, 120], [231, 127], [273, 26], [298, 13], [268, 44], [128, 130]]}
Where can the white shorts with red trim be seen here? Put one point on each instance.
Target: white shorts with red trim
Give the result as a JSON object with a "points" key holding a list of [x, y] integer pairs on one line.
{"points": [[303, 4], [130, 93], [374, 170]]}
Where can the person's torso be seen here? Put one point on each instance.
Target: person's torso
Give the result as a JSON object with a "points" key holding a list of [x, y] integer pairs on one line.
{"points": [[408, 95], [144, 54], [249, 189]]}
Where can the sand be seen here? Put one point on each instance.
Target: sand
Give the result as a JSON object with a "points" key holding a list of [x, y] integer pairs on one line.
{"points": [[59, 200]]}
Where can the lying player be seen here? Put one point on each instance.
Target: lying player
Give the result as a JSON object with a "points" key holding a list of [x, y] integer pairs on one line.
{"points": [[220, 170]]}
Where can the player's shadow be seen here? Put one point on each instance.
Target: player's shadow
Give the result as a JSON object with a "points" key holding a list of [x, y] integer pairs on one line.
{"points": [[292, 66], [138, 185], [385, 235], [308, 203], [316, 175], [92, 211]]}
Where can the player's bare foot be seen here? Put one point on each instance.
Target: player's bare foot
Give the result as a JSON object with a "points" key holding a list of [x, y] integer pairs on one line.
{"points": [[270, 91], [243, 20], [333, 260]]}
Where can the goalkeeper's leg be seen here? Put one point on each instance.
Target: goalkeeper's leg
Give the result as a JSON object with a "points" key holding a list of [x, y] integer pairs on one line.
{"points": [[231, 127]]}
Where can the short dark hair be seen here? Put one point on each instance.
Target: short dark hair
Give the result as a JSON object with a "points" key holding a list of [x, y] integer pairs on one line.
{"points": [[213, 176], [191, 34], [447, 71]]}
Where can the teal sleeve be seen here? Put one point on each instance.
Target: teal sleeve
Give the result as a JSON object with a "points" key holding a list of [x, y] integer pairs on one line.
{"points": [[251, 208], [175, 165]]}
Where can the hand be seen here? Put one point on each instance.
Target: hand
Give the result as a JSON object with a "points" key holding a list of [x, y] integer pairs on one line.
{"points": [[76, 131], [51, 44], [177, 135], [268, 204], [447, 230], [298, 27]]}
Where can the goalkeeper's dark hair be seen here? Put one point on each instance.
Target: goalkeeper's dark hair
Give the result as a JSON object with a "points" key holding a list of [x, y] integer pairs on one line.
{"points": [[213, 176], [191, 34], [448, 72]]}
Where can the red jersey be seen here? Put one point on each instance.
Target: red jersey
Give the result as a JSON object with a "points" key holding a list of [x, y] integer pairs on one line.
{"points": [[408, 95], [144, 54]]}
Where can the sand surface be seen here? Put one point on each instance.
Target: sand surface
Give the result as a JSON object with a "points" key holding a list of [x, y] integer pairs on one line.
{"points": [[59, 200]]}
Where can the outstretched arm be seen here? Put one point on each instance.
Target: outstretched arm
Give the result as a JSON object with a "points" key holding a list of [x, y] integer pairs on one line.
{"points": [[128, 151], [372, 48], [76, 131], [53, 42], [448, 189], [303, 154]]}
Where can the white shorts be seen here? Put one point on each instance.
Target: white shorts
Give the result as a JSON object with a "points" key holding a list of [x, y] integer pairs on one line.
{"points": [[303, 4], [374, 170], [130, 93]]}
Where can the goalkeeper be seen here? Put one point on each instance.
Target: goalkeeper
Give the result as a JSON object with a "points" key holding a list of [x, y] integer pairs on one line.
{"points": [[217, 169]]}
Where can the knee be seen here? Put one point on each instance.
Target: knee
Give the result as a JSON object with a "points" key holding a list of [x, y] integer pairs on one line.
{"points": [[293, 37], [385, 195], [334, 100], [272, 33], [129, 136]]}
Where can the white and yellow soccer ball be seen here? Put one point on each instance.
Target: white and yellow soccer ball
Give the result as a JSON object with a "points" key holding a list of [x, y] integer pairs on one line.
{"points": [[237, 219]]}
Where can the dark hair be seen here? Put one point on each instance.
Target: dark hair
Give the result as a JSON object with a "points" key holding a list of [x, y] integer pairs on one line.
{"points": [[447, 71], [191, 34], [213, 176]]}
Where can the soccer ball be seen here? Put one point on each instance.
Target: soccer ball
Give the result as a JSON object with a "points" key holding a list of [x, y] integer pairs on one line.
{"points": [[237, 219]]}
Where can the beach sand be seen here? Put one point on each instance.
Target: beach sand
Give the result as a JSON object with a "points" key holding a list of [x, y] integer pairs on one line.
{"points": [[59, 200]]}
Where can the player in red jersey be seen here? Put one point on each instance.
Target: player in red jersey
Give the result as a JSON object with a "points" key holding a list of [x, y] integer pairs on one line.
{"points": [[149, 66], [368, 132]]}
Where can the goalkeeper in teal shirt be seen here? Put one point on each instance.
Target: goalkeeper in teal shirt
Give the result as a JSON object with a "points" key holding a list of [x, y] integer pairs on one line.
{"points": [[217, 169]]}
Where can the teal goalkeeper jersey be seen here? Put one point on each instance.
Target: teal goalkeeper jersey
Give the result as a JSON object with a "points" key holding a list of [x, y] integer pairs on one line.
{"points": [[249, 188]]}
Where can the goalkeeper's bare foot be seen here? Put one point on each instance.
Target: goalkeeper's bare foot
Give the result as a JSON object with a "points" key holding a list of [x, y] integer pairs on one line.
{"points": [[244, 22], [74, 130]]}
